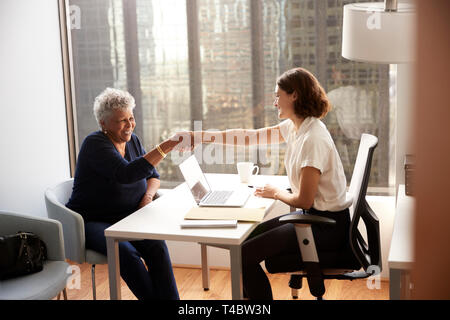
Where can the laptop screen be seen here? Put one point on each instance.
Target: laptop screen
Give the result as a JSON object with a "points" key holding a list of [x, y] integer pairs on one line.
{"points": [[194, 177]]}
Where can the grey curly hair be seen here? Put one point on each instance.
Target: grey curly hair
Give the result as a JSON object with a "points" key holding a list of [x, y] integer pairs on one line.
{"points": [[111, 99]]}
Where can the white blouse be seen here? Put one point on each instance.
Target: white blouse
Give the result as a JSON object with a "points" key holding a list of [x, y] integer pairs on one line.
{"points": [[312, 146]]}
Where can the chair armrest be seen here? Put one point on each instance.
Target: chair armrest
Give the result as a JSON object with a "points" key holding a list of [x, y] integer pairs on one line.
{"points": [[306, 219], [50, 231], [73, 227], [307, 247]]}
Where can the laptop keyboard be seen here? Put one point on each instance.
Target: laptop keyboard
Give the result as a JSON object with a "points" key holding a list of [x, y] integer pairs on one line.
{"points": [[219, 197]]}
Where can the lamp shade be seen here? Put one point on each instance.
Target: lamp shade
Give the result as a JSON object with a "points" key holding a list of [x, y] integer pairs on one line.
{"points": [[371, 34]]}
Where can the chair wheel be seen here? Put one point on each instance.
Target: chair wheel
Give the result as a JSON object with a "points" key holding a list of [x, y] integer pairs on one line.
{"points": [[294, 297], [295, 282], [205, 289]]}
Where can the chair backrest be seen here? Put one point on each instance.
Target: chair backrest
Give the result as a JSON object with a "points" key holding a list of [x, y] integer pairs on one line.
{"points": [[72, 222], [368, 254]]}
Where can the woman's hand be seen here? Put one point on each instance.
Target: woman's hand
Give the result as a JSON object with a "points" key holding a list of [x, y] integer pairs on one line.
{"points": [[268, 191], [185, 141], [146, 199], [153, 185]]}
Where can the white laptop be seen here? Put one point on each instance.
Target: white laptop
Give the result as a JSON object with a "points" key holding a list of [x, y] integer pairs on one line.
{"points": [[201, 190]]}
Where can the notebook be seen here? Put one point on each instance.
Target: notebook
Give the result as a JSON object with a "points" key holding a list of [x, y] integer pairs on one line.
{"points": [[222, 213], [209, 224]]}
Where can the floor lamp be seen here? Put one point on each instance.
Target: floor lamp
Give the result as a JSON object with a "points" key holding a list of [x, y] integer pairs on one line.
{"points": [[379, 32]]}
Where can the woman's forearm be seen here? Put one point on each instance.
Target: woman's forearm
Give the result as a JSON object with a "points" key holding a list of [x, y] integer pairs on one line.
{"points": [[292, 200], [304, 198], [240, 137], [153, 185], [296, 200], [155, 156], [236, 137]]}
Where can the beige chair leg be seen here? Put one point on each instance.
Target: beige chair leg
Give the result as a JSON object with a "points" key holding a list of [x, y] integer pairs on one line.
{"points": [[94, 289], [64, 292]]}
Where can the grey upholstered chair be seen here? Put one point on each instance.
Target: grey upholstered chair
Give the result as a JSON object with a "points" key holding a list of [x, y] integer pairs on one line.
{"points": [[49, 282], [73, 226]]}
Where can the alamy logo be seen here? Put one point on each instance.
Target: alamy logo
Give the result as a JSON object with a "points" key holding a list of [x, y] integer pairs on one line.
{"points": [[374, 20], [74, 280], [374, 281], [75, 17]]}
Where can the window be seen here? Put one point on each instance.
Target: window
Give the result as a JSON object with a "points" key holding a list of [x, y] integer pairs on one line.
{"points": [[212, 64]]}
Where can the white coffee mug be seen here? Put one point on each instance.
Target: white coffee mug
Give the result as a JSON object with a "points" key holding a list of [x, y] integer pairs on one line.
{"points": [[246, 170]]}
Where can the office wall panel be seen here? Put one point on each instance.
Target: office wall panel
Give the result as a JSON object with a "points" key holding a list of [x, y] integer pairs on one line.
{"points": [[33, 137], [431, 136]]}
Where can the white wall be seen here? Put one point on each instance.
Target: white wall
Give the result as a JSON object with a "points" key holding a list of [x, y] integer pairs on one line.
{"points": [[33, 136]]}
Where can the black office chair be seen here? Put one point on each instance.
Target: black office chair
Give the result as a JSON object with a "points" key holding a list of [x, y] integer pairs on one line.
{"points": [[346, 264]]}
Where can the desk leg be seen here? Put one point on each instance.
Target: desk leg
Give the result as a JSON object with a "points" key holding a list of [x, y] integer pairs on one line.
{"points": [[236, 273], [406, 285], [395, 276], [112, 249], [205, 266]]}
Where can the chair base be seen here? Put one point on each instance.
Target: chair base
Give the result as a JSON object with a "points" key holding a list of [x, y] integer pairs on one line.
{"points": [[295, 282]]}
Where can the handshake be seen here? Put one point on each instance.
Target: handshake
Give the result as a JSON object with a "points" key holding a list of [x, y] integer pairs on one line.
{"points": [[187, 140]]}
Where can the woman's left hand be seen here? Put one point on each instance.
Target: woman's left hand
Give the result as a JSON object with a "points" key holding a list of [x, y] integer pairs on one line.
{"points": [[268, 191], [146, 199]]}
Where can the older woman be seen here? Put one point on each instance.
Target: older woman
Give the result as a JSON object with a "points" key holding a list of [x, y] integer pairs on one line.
{"points": [[115, 177], [315, 173]]}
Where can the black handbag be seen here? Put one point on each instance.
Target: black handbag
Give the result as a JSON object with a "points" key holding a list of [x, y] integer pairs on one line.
{"points": [[20, 254]]}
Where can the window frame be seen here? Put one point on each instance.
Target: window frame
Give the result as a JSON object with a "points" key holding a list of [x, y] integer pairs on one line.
{"points": [[195, 73]]}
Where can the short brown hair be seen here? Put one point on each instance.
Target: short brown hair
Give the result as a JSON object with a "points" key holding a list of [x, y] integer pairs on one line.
{"points": [[312, 100]]}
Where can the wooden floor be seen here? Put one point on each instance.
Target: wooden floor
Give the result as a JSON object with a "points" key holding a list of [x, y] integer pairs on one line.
{"points": [[189, 282]]}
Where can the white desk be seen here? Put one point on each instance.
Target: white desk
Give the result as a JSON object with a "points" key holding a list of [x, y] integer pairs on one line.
{"points": [[160, 220], [401, 253]]}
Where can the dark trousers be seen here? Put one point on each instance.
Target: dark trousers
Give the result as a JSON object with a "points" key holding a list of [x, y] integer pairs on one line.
{"points": [[277, 244], [156, 281]]}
